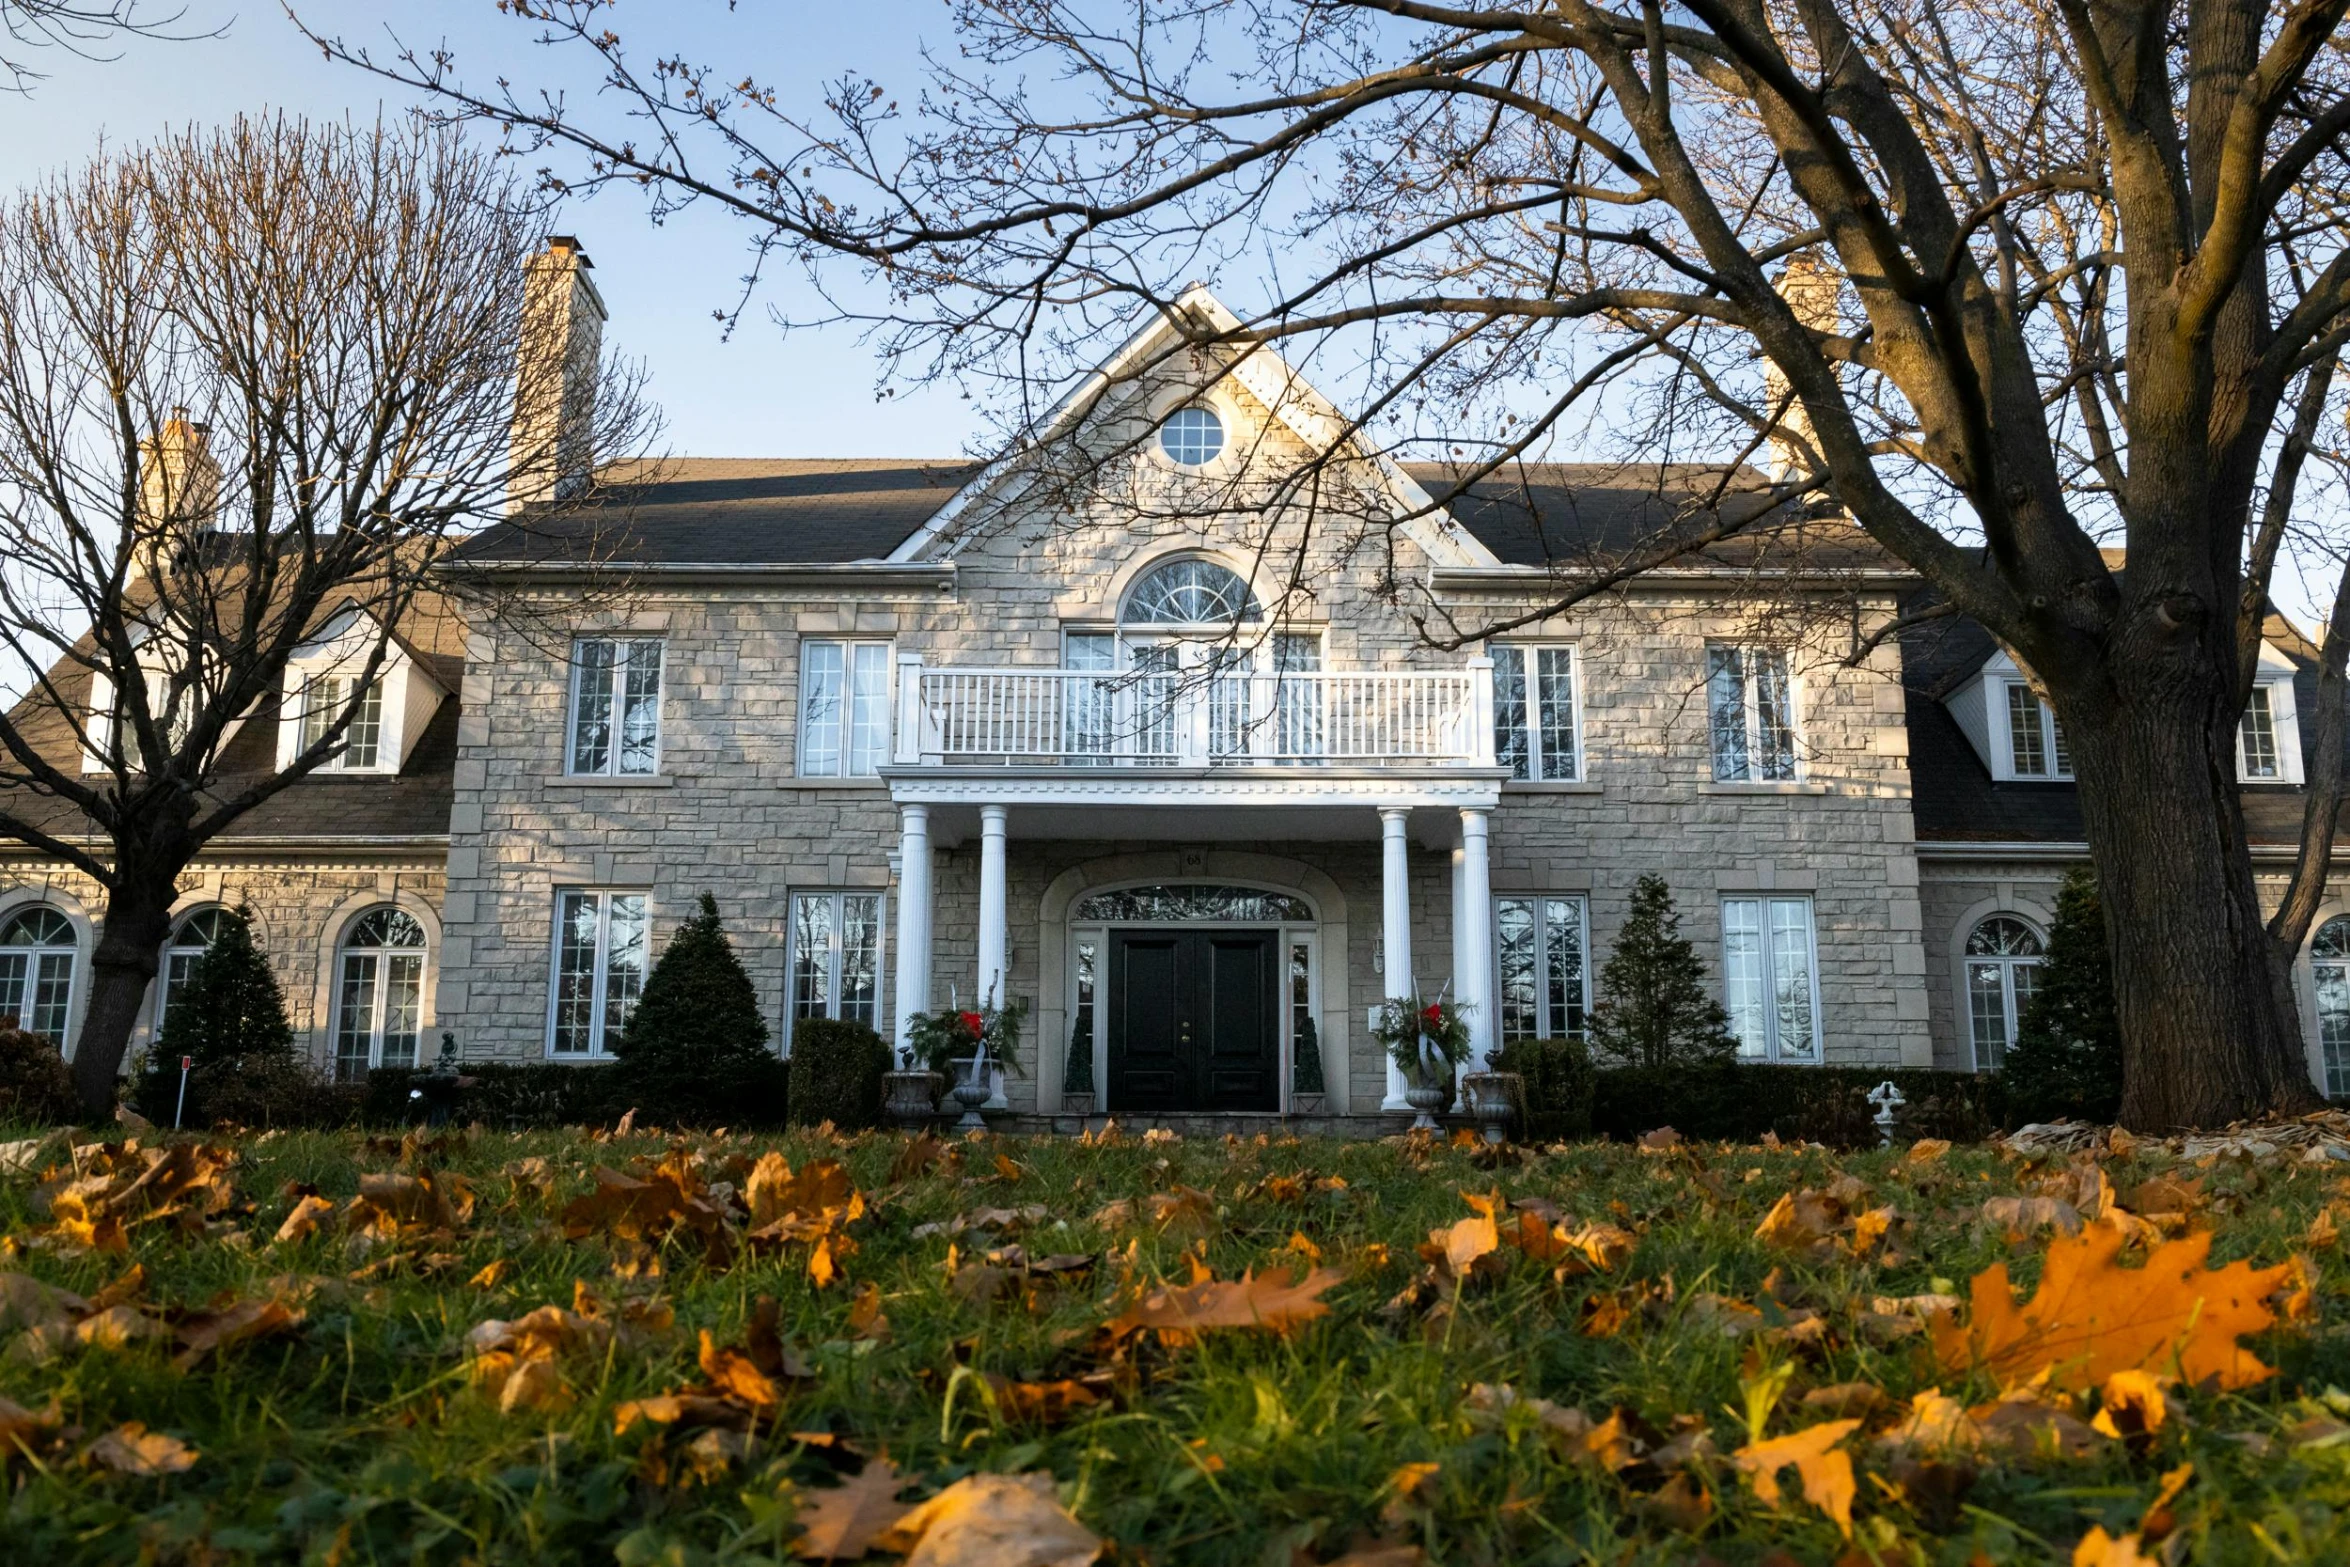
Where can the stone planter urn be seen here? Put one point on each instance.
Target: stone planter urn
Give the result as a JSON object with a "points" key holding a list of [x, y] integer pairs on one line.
{"points": [[1492, 1098], [1425, 1099], [974, 1090], [1306, 1104], [910, 1099], [1077, 1103]]}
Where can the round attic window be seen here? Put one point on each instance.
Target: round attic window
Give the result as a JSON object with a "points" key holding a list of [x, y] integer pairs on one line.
{"points": [[1192, 437]]}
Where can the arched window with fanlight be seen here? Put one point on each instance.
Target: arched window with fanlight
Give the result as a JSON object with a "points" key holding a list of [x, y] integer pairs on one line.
{"points": [[379, 993], [2329, 967], [191, 938], [2002, 966], [37, 947]]}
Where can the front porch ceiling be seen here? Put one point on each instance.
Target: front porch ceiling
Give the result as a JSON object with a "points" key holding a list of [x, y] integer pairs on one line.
{"points": [[1216, 806]]}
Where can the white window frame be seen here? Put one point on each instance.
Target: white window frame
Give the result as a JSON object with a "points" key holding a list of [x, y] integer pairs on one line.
{"points": [[853, 651], [1773, 1051], [601, 1028], [624, 646], [1541, 767], [323, 697], [379, 991], [2333, 1056], [2052, 742], [35, 958], [1582, 917], [838, 897], [1752, 713], [2284, 721], [2007, 963]]}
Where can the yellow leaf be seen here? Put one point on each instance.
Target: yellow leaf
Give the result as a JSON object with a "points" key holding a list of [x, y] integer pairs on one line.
{"points": [[990, 1520], [303, 1222], [845, 1521], [492, 1274], [2099, 1549], [1825, 1470], [2091, 1317], [134, 1450], [1274, 1300]]}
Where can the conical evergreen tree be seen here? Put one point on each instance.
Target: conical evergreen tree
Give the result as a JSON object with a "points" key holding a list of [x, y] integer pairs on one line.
{"points": [[230, 1006], [695, 1047], [1655, 1008], [2067, 1056]]}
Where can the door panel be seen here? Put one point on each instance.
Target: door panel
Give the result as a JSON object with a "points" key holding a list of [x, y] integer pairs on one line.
{"points": [[1237, 997], [1148, 1065], [1194, 1020]]}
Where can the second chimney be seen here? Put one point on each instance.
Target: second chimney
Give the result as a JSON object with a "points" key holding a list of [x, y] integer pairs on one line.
{"points": [[556, 368], [1810, 288]]}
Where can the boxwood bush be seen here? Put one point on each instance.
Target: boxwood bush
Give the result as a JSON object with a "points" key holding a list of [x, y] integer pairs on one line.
{"points": [[836, 1072], [1739, 1103]]}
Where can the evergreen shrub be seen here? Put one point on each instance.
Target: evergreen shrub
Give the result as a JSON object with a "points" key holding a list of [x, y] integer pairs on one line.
{"points": [[229, 1017], [36, 1086], [1656, 1008], [2067, 1056], [837, 1068], [694, 1052], [1559, 1084]]}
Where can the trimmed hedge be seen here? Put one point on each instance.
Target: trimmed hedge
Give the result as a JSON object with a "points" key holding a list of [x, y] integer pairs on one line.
{"points": [[836, 1072], [528, 1095], [268, 1090], [1739, 1103], [1558, 1086], [36, 1086]]}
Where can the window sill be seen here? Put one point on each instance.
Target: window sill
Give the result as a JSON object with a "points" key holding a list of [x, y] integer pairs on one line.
{"points": [[876, 784], [1552, 786], [1764, 787], [615, 781]]}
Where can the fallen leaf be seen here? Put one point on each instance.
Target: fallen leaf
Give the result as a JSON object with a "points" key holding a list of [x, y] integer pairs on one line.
{"points": [[2024, 1215], [1278, 1301], [1039, 1403], [2091, 1318], [303, 1222], [1663, 1140], [238, 1322], [1406, 1489], [846, 1520], [492, 1274], [1824, 1468], [2099, 1549], [989, 1520], [132, 1449]]}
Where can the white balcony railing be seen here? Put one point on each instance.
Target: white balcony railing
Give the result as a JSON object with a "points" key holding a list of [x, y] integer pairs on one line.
{"points": [[1193, 718]]}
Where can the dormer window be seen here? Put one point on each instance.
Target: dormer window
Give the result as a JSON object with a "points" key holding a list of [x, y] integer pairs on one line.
{"points": [[2034, 738], [328, 678], [1192, 437]]}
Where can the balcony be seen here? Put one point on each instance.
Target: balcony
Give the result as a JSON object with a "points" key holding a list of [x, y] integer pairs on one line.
{"points": [[1195, 719]]}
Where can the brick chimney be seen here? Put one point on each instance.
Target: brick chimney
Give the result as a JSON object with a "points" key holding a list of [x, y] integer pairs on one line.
{"points": [[1810, 288], [179, 493], [555, 376]]}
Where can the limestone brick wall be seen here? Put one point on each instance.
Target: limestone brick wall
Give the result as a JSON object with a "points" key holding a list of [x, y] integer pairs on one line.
{"points": [[301, 908]]}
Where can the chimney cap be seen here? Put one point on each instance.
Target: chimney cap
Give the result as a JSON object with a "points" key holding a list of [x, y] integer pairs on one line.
{"points": [[568, 244]]}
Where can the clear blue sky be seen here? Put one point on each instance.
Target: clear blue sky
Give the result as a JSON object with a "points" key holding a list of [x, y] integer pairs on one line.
{"points": [[758, 395]]}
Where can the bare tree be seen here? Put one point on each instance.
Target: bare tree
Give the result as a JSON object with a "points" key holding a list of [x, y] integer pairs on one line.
{"points": [[2008, 279], [80, 27], [253, 384]]}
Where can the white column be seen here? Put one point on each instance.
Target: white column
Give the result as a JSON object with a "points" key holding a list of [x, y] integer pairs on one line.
{"points": [[993, 926], [1395, 909], [1472, 918], [913, 954]]}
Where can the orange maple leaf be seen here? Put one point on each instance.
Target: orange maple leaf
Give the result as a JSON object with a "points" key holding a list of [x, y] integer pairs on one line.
{"points": [[2091, 1318], [1272, 1300], [1825, 1469]]}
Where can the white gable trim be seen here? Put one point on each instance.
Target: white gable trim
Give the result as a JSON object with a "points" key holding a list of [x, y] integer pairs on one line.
{"points": [[1266, 376]]}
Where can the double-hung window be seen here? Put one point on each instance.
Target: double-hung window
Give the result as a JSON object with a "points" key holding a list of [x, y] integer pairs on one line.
{"points": [[1535, 733], [616, 707], [1750, 704], [324, 700], [835, 960], [2035, 741], [2257, 756], [844, 709], [1539, 944], [601, 940], [1770, 979]]}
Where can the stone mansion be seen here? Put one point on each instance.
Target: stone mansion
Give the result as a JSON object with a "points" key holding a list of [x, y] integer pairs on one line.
{"points": [[1154, 750]]}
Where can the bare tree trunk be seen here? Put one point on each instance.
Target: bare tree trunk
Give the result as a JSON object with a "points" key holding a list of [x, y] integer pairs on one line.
{"points": [[138, 919], [2212, 1034]]}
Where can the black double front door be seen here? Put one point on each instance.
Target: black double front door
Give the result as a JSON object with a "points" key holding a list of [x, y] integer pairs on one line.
{"points": [[1194, 1020]]}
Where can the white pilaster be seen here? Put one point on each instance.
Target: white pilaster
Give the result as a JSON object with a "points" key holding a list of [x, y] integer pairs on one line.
{"points": [[1395, 910], [1472, 919], [993, 925], [913, 955]]}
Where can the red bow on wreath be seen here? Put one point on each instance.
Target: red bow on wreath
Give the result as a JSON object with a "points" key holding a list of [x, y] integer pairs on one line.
{"points": [[1434, 1015], [974, 1022]]}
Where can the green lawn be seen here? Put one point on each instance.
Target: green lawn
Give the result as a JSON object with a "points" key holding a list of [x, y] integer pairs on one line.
{"points": [[368, 1433]]}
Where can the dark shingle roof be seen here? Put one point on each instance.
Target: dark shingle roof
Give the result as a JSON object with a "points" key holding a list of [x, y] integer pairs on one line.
{"points": [[737, 511]]}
